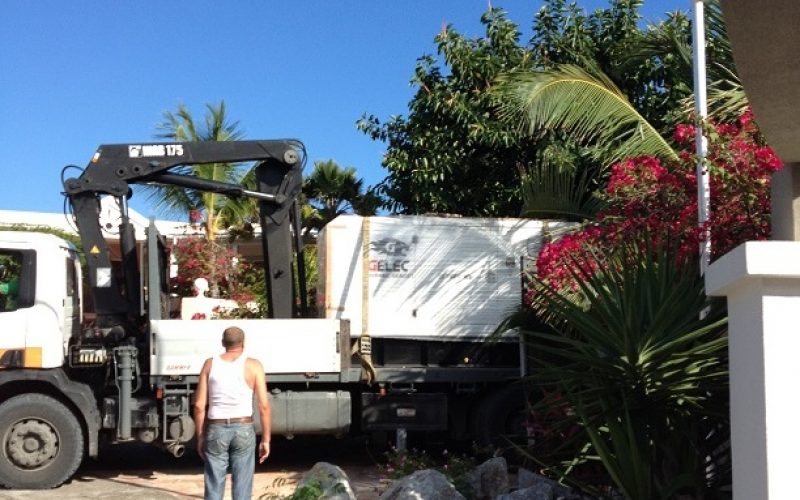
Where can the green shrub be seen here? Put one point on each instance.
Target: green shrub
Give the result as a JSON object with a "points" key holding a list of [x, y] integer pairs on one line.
{"points": [[641, 363]]}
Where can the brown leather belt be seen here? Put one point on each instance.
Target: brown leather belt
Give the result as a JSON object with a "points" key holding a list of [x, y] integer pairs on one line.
{"points": [[237, 420]]}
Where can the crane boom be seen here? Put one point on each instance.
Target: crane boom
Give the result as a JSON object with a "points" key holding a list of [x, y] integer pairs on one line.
{"points": [[115, 168]]}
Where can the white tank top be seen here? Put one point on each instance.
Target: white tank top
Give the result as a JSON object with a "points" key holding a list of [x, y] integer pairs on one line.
{"points": [[228, 393]]}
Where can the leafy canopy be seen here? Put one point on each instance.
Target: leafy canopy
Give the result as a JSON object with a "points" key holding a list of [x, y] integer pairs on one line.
{"points": [[461, 147], [452, 153]]}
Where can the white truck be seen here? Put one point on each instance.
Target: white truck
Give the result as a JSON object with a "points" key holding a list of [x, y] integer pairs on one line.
{"points": [[407, 306]]}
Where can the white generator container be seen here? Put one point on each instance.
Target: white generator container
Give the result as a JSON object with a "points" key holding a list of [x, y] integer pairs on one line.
{"points": [[424, 277]]}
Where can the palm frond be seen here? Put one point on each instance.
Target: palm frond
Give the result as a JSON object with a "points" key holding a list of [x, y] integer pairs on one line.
{"points": [[727, 100], [587, 106], [718, 42], [554, 191], [726, 97], [670, 39]]}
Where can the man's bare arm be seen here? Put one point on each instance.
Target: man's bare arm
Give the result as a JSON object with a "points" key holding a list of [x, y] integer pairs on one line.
{"points": [[200, 403], [264, 410]]}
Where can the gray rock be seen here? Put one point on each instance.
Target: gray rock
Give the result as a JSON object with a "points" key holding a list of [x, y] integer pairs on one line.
{"points": [[425, 484], [541, 491], [527, 479], [489, 479], [329, 478]]}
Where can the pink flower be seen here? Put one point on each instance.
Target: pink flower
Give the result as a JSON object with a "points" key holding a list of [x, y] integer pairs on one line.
{"points": [[684, 133], [648, 193]]}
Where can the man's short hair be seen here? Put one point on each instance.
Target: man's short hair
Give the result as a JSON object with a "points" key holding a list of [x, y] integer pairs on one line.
{"points": [[233, 336]]}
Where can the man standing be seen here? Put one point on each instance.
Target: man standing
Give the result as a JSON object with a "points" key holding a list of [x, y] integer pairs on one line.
{"points": [[223, 415]]}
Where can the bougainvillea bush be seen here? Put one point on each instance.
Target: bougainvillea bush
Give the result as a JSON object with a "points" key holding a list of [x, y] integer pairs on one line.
{"points": [[648, 193], [623, 332], [227, 274]]}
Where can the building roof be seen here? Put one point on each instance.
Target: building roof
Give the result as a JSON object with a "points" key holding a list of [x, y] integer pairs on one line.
{"points": [[109, 221], [764, 40]]}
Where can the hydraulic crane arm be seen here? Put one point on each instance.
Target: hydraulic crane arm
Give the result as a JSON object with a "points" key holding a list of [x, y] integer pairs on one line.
{"points": [[114, 168]]}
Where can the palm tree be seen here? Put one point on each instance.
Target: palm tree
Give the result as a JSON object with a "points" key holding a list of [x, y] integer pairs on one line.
{"points": [[586, 104], [216, 209], [333, 191], [726, 98], [580, 108], [368, 202]]}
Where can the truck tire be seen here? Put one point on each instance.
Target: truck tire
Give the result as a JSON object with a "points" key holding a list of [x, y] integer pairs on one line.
{"points": [[499, 418], [42, 442]]}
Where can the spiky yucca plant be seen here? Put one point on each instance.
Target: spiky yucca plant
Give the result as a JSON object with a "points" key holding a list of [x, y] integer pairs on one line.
{"points": [[641, 361]]}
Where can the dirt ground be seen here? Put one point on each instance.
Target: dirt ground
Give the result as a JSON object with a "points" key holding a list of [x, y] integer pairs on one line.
{"points": [[144, 472]]}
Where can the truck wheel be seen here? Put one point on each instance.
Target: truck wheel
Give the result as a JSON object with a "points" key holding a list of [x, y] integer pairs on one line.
{"points": [[499, 419], [42, 442]]}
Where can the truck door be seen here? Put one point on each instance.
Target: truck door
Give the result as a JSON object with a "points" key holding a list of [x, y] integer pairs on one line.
{"points": [[14, 308], [73, 312]]}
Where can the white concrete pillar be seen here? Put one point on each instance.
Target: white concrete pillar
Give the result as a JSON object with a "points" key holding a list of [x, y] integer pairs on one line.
{"points": [[761, 280]]}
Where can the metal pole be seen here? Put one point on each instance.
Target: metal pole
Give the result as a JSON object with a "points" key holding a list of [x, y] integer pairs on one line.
{"points": [[701, 110], [402, 439]]}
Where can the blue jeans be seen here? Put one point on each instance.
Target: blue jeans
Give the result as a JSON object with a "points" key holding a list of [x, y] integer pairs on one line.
{"points": [[230, 446]]}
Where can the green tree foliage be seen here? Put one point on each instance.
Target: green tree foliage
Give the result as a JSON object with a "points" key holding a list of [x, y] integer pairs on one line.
{"points": [[590, 108], [726, 97], [651, 66], [619, 98], [610, 41], [452, 153], [462, 148]]}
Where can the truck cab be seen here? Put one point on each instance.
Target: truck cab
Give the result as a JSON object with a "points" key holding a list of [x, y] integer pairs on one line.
{"points": [[40, 299]]}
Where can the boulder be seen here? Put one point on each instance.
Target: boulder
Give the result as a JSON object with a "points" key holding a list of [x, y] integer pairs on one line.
{"points": [[425, 484], [527, 479], [540, 491], [332, 482], [489, 479]]}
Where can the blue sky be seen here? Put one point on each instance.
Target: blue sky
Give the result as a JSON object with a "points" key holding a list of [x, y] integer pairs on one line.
{"points": [[77, 74]]}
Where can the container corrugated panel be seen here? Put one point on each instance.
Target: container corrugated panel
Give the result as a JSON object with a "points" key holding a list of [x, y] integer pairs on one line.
{"points": [[424, 277]]}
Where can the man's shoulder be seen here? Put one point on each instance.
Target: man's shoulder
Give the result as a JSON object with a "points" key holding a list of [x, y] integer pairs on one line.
{"points": [[254, 363], [206, 366]]}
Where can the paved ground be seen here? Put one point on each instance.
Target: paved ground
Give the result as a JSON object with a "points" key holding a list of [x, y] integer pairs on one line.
{"points": [[146, 473]]}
